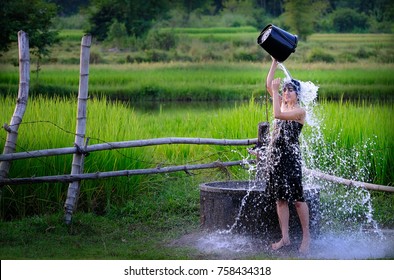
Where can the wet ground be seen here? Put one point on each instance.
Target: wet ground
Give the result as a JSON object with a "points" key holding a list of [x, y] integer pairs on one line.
{"points": [[335, 246]]}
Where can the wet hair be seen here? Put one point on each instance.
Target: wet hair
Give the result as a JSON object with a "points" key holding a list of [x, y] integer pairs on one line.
{"points": [[295, 84]]}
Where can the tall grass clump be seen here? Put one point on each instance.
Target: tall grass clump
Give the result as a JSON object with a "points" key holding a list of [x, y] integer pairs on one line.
{"points": [[352, 140], [357, 140], [50, 123]]}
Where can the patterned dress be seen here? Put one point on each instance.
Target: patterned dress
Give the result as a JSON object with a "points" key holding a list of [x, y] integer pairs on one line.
{"points": [[284, 164]]}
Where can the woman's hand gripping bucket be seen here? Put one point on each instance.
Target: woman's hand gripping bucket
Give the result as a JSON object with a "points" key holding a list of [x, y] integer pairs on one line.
{"points": [[277, 42]]}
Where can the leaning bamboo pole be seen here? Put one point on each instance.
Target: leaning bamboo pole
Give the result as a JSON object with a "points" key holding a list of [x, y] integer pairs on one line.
{"points": [[118, 173], [347, 182], [128, 144], [77, 163], [21, 103]]}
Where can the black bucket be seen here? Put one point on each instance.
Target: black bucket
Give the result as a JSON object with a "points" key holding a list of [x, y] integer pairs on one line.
{"points": [[277, 42]]}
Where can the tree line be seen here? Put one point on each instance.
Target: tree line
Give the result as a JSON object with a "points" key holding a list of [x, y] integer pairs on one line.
{"points": [[136, 17]]}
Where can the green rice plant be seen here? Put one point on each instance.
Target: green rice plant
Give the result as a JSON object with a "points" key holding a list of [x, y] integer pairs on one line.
{"points": [[211, 30], [320, 55], [346, 208], [351, 37], [204, 81], [218, 44], [357, 131], [382, 205], [358, 140], [71, 35]]}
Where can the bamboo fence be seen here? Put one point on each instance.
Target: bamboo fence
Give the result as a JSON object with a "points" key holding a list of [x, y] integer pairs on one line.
{"points": [[78, 158], [21, 104], [81, 147]]}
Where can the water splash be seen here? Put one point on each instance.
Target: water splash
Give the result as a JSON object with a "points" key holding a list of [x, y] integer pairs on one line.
{"points": [[344, 210], [251, 169], [307, 96], [329, 245], [284, 69], [347, 227], [225, 242], [352, 246]]}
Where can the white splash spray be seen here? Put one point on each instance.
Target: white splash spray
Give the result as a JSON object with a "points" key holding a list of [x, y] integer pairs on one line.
{"points": [[348, 230], [307, 96]]}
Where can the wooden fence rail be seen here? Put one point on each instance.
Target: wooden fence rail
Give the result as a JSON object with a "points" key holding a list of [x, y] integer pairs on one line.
{"points": [[107, 174], [81, 148], [127, 144], [186, 168]]}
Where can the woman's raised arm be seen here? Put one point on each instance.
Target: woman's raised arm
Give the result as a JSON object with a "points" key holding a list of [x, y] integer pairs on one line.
{"points": [[271, 75]]}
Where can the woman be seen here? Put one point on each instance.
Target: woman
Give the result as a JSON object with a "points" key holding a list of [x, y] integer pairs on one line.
{"points": [[284, 158]]}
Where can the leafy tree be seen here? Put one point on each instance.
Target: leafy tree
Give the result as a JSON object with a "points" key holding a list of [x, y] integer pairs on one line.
{"points": [[141, 15], [117, 34], [191, 5], [69, 7], [218, 5], [272, 7], [162, 40], [102, 15], [381, 10], [348, 20], [32, 16], [137, 15], [301, 15], [240, 12]]}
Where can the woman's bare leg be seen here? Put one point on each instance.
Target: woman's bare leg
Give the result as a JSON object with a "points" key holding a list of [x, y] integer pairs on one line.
{"points": [[282, 208], [303, 214]]}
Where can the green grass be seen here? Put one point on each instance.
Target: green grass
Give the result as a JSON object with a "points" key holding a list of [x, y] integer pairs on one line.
{"points": [[136, 217], [204, 81], [219, 44], [126, 124], [210, 64], [93, 237], [211, 30], [71, 35], [360, 134]]}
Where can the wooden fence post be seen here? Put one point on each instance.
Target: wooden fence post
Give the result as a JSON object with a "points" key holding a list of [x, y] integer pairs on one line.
{"points": [[261, 151], [77, 163], [21, 103]]}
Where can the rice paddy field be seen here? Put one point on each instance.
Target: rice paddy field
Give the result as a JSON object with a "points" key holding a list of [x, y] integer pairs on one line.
{"points": [[188, 94], [210, 64], [211, 81], [357, 135]]}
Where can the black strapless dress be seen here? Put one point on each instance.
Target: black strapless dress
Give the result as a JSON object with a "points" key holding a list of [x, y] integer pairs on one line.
{"points": [[284, 163]]}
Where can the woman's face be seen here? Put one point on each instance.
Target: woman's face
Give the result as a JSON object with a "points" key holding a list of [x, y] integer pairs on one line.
{"points": [[289, 94]]}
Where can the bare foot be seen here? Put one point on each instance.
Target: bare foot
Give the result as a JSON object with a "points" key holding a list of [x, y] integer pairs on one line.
{"points": [[304, 248], [280, 244]]}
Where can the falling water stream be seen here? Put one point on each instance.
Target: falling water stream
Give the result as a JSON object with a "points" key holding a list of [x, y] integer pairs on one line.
{"points": [[347, 227]]}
